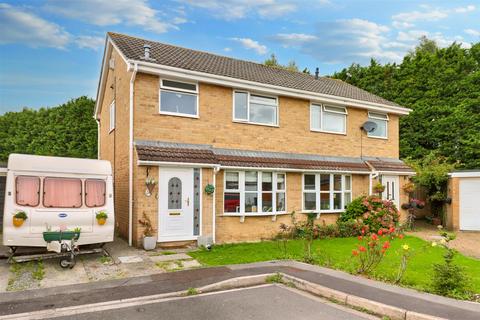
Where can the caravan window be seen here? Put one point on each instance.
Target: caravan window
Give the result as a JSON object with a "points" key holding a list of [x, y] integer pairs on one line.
{"points": [[94, 193], [62, 193], [27, 191]]}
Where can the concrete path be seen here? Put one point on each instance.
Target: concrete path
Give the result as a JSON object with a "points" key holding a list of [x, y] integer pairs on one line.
{"points": [[408, 299], [268, 302]]}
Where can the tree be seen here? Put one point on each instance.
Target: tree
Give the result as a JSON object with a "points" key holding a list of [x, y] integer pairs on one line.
{"points": [[66, 130], [441, 86], [273, 62]]}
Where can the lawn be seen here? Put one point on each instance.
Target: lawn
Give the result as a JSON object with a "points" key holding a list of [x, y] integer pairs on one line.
{"points": [[336, 253]]}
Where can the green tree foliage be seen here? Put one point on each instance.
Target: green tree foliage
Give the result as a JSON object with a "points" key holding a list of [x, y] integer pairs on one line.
{"points": [[273, 62], [66, 130], [441, 86]]}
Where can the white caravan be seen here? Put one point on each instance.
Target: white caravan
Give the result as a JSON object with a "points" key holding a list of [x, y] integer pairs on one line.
{"points": [[45, 195]]}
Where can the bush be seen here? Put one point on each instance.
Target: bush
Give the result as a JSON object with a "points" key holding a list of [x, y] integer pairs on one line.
{"points": [[371, 213], [348, 229]]}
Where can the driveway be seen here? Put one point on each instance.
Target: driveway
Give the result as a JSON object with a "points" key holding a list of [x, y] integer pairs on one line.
{"points": [[466, 242], [268, 302]]}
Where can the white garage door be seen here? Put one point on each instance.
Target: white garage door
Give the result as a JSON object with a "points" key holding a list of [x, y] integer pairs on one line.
{"points": [[470, 204]]}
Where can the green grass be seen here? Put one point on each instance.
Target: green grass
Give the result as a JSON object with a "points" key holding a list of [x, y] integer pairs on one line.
{"points": [[336, 253]]}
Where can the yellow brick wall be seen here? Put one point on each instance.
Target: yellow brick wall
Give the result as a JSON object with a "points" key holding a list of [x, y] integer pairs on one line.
{"points": [[114, 144], [214, 125], [452, 211]]}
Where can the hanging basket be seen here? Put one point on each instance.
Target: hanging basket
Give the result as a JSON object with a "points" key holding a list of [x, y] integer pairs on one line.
{"points": [[209, 189]]}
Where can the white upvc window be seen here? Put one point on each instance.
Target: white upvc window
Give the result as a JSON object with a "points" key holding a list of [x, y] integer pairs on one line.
{"points": [[112, 116], [326, 192], [254, 108], [178, 98], [381, 119], [328, 119], [254, 193]]}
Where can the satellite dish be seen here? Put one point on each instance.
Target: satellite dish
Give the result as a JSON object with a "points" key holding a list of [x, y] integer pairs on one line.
{"points": [[369, 126]]}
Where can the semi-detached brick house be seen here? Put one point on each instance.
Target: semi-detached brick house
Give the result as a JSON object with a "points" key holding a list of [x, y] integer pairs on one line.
{"points": [[271, 141]]}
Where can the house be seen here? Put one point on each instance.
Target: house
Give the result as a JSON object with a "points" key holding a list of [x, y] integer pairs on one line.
{"points": [[270, 141]]}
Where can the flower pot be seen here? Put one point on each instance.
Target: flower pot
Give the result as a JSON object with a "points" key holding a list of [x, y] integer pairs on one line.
{"points": [[101, 221], [149, 243], [17, 222], [436, 221]]}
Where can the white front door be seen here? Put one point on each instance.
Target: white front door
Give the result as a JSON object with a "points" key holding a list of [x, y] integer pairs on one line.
{"points": [[391, 191], [469, 204], [175, 203]]}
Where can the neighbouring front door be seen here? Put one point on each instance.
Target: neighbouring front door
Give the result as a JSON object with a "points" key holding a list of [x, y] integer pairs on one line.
{"points": [[176, 204], [391, 191]]}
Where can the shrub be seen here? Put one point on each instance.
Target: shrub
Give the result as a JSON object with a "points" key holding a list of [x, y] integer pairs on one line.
{"points": [[348, 228], [371, 212]]}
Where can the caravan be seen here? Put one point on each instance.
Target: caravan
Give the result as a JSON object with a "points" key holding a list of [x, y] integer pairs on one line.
{"points": [[56, 200]]}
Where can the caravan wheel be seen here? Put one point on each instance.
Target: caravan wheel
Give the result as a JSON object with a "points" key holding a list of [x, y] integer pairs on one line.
{"points": [[67, 262]]}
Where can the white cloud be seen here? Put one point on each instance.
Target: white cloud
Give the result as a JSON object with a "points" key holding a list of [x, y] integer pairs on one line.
{"points": [[19, 25], [90, 42], [411, 35], [466, 9], [106, 13], [413, 16], [294, 39], [402, 25], [472, 32], [227, 49], [251, 44], [239, 9]]}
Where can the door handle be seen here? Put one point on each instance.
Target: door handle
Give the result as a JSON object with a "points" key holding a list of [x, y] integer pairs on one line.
{"points": [[188, 201]]}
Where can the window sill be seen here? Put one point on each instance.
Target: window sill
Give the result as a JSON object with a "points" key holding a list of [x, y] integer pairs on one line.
{"points": [[257, 124], [242, 216], [178, 115], [381, 138], [329, 132], [323, 211]]}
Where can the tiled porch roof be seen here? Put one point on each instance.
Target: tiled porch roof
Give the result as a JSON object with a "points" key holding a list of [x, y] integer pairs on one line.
{"points": [[160, 151]]}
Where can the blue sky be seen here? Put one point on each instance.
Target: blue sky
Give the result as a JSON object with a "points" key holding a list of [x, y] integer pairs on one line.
{"points": [[51, 50]]}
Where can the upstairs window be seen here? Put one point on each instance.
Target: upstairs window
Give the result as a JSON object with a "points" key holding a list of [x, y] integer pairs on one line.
{"points": [[328, 119], [62, 193], [255, 109], [381, 120], [27, 191], [112, 116], [179, 98]]}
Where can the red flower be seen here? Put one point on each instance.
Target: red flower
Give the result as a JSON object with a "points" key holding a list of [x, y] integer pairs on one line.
{"points": [[355, 252], [386, 245], [374, 236], [363, 231], [362, 249], [360, 238], [392, 230], [380, 232], [400, 236], [383, 250]]}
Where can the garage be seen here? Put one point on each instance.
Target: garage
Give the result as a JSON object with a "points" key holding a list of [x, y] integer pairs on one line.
{"points": [[464, 211]]}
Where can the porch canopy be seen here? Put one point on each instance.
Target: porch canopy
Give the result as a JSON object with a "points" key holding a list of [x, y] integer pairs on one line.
{"points": [[160, 152]]}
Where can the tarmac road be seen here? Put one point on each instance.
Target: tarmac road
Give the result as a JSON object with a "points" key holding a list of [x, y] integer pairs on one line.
{"points": [[268, 302]]}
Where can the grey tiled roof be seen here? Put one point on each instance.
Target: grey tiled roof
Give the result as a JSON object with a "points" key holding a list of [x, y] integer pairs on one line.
{"points": [[188, 59]]}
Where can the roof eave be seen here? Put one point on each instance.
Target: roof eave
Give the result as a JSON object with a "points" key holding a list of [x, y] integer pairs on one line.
{"points": [[158, 69]]}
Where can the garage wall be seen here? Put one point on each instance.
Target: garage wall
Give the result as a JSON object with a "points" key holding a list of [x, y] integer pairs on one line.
{"points": [[463, 189]]}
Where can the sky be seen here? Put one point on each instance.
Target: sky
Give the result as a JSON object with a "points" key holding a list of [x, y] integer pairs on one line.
{"points": [[51, 50]]}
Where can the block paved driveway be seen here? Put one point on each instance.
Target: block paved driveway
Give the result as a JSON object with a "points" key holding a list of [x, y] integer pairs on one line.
{"points": [[263, 302]]}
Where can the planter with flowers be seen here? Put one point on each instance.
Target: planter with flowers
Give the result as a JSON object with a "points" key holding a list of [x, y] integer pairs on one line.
{"points": [[378, 188], [150, 183], [19, 218], [149, 241], [209, 189], [409, 187], [101, 217]]}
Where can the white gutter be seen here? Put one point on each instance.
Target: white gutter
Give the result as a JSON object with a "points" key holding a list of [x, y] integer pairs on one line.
{"points": [[293, 170], [398, 173], [214, 215], [152, 68], [98, 137], [465, 174], [130, 159]]}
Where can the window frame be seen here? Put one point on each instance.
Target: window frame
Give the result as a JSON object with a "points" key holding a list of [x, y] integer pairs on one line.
{"points": [[330, 192], [386, 119], [323, 110], [85, 194], [82, 193], [241, 190], [38, 191], [170, 89], [247, 121], [112, 116]]}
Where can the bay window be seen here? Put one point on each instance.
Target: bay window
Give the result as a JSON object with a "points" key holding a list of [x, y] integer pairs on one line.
{"points": [[328, 119], [254, 192], [252, 108], [178, 98], [381, 120], [326, 192]]}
